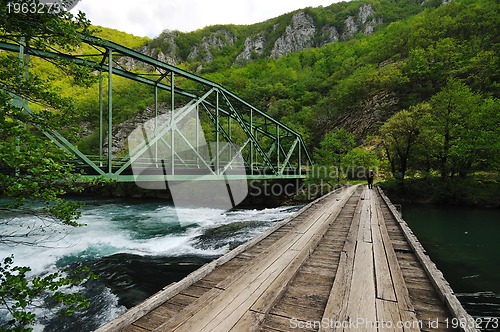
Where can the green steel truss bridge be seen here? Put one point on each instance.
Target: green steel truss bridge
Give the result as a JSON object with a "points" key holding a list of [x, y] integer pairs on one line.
{"points": [[243, 137]]}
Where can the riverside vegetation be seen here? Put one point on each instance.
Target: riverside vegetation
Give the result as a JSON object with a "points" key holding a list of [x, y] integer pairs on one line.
{"points": [[407, 87], [34, 174]]}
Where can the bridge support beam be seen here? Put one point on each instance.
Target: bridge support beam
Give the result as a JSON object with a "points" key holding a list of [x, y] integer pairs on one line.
{"points": [[110, 111], [172, 123], [101, 114]]}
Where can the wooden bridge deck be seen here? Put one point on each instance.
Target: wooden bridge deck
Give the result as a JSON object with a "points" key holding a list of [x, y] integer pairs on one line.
{"points": [[345, 262]]}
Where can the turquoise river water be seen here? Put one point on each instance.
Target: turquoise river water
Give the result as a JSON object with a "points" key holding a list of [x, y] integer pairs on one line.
{"points": [[465, 245]]}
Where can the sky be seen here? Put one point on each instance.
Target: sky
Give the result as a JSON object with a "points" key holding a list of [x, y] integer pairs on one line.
{"points": [[150, 17]]}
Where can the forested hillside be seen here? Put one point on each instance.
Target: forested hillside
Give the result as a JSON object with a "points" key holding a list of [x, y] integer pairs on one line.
{"points": [[368, 67], [355, 84], [358, 84], [217, 47], [417, 83]]}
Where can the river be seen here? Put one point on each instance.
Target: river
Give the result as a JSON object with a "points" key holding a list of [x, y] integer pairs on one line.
{"points": [[465, 245], [138, 247]]}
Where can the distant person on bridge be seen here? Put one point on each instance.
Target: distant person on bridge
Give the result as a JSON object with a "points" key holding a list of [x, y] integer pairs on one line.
{"points": [[370, 177]]}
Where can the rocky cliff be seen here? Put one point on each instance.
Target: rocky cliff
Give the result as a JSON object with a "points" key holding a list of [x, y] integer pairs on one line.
{"points": [[271, 39]]}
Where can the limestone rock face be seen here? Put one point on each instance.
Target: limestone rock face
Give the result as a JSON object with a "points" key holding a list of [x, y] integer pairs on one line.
{"points": [[164, 48], [351, 28], [330, 35], [368, 114], [203, 51], [361, 22], [365, 12], [300, 31], [303, 33], [298, 35], [253, 47], [122, 131]]}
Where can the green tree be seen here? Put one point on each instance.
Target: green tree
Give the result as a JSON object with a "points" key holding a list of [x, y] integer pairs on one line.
{"points": [[399, 135], [358, 162], [332, 149], [486, 139], [452, 120], [29, 167], [20, 294], [33, 173]]}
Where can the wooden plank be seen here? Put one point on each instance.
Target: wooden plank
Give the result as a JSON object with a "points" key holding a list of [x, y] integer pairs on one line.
{"points": [[195, 291], [388, 316], [225, 310], [168, 309], [305, 296], [206, 283], [236, 283], [361, 302], [320, 214], [189, 311], [274, 250], [210, 316], [287, 240], [237, 308], [335, 309], [266, 299], [383, 277], [249, 322], [285, 324], [364, 227], [280, 246], [365, 280], [297, 310], [151, 320], [182, 300], [133, 328], [305, 285], [239, 279], [400, 288], [407, 310], [285, 266], [158, 316]]}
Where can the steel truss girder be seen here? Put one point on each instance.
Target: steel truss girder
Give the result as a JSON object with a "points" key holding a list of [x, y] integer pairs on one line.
{"points": [[237, 108], [54, 136]]}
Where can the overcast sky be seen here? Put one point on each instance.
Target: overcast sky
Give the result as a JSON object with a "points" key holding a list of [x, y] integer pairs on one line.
{"points": [[151, 17]]}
